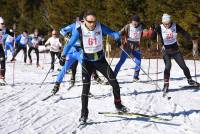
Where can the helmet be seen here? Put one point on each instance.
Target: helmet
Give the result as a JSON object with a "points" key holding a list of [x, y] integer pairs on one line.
{"points": [[166, 18], [1, 20]]}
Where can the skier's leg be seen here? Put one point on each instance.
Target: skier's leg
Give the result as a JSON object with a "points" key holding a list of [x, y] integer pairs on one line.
{"points": [[137, 55], [86, 78], [52, 59], [3, 63], [120, 62], [25, 54], [29, 54], [167, 61], [37, 55], [103, 67]]}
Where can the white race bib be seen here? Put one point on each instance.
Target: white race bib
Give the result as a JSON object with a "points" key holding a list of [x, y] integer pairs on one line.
{"points": [[169, 35], [135, 33], [23, 40], [92, 40]]}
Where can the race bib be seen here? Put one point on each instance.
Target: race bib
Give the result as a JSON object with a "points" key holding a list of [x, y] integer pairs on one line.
{"points": [[169, 35], [92, 40], [135, 33], [23, 40]]}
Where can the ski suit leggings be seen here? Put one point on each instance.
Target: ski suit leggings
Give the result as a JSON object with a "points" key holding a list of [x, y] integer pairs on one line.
{"points": [[103, 67], [3, 62], [137, 56], [36, 52], [72, 58], [58, 54], [167, 55], [9, 46], [19, 49]]}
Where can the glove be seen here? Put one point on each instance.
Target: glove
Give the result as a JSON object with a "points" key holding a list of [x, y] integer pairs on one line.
{"points": [[62, 60], [118, 43]]}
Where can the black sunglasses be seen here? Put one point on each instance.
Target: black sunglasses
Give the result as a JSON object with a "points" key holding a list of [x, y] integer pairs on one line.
{"points": [[91, 21]]}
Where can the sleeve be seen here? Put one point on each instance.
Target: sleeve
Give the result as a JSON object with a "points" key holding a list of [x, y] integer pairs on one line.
{"points": [[4, 38], [72, 41], [47, 42], [67, 29], [124, 30], [108, 31], [180, 30], [18, 38]]}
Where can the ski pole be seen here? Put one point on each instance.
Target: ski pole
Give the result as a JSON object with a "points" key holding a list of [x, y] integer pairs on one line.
{"points": [[195, 69], [195, 53], [46, 76], [14, 30], [142, 69], [157, 47], [149, 45]]}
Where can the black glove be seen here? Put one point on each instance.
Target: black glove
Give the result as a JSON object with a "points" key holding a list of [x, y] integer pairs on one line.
{"points": [[118, 43], [62, 60]]}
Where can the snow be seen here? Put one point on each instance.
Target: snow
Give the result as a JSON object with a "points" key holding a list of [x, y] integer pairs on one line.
{"points": [[22, 110]]}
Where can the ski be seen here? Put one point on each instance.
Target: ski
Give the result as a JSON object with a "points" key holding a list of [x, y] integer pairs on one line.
{"points": [[49, 96], [70, 87], [165, 95], [191, 86], [132, 114], [82, 126]]}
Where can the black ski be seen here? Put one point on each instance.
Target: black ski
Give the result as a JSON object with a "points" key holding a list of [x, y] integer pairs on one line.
{"points": [[46, 98], [132, 114]]}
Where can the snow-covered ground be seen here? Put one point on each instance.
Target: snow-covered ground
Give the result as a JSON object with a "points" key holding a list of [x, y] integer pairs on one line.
{"points": [[22, 110]]}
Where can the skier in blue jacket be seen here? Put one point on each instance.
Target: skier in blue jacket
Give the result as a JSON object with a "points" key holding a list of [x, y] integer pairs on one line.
{"points": [[9, 42], [22, 41], [74, 56]]}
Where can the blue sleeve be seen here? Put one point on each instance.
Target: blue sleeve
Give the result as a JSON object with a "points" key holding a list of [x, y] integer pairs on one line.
{"points": [[67, 29], [72, 41], [18, 38], [29, 40], [4, 38], [110, 32]]}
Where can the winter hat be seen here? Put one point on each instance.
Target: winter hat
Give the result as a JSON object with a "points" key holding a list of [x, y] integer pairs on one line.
{"points": [[136, 18], [1, 20], [166, 18]]}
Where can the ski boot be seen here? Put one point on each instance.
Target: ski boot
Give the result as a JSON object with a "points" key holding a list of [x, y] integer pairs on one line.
{"points": [[121, 108], [166, 87], [98, 80], [135, 79], [2, 82], [193, 83], [13, 59], [56, 88], [30, 62], [82, 120], [72, 82]]}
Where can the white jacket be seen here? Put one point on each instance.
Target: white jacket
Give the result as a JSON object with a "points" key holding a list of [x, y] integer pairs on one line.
{"points": [[55, 44]]}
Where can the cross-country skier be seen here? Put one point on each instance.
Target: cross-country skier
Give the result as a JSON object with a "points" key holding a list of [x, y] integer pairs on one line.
{"points": [[133, 31], [74, 56], [22, 42], [3, 31], [168, 31], [55, 47], [9, 42], [91, 34], [34, 42]]}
